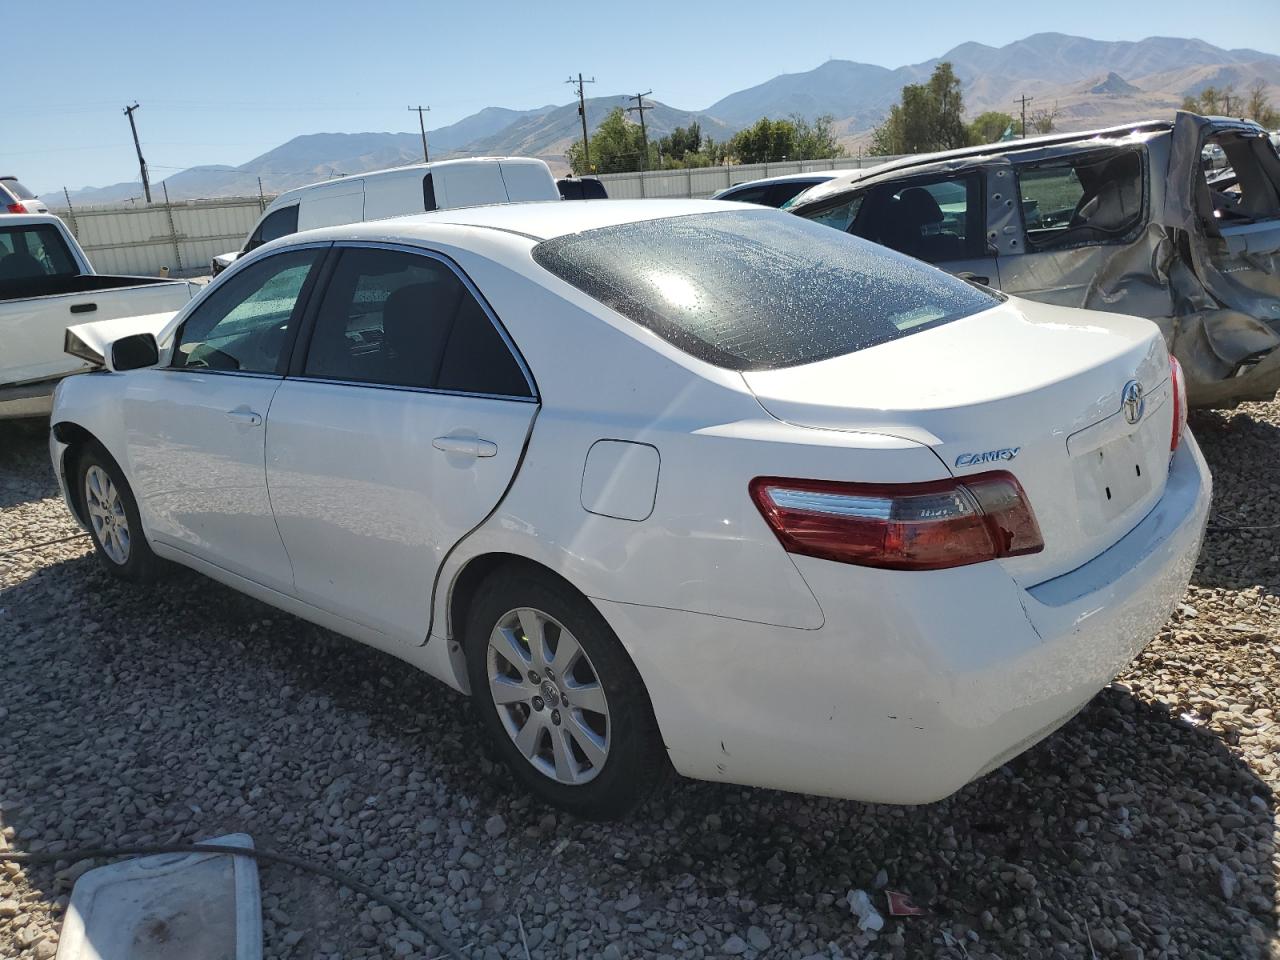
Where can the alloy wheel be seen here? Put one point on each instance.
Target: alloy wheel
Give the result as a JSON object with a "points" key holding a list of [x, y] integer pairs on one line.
{"points": [[549, 696], [107, 514]]}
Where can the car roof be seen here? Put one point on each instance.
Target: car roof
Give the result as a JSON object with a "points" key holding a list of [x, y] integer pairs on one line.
{"points": [[546, 219], [998, 149], [408, 169], [815, 175], [24, 219]]}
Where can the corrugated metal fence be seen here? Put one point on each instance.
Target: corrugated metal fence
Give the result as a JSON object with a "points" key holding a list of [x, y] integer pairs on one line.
{"points": [[183, 236], [143, 239]]}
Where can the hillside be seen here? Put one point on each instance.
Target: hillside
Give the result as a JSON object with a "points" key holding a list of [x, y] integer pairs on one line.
{"points": [[1089, 83]]}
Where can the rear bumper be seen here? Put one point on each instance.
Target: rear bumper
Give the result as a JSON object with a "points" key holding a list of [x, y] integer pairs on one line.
{"points": [[917, 683]]}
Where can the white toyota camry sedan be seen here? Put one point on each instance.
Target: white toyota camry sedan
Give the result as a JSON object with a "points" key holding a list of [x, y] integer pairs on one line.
{"points": [[661, 484]]}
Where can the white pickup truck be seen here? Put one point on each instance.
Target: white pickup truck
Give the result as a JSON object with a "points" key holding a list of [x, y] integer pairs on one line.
{"points": [[47, 284]]}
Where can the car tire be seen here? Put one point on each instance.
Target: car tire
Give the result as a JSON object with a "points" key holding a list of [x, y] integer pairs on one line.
{"points": [[596, 754], [110, 511]]}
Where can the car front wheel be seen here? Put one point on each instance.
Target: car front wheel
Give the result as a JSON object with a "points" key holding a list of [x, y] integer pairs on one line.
{"points": [[560, 697], [111, 512]]}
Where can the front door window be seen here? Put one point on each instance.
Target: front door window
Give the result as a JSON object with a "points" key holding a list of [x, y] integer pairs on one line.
{"points": [[247, 324]]}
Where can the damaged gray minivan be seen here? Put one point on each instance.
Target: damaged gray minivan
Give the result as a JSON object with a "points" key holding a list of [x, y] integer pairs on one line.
{"points": [[1128, 220]]}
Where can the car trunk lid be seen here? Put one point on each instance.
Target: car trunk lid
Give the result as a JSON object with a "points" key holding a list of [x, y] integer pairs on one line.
{"points": [[1030, 388]]}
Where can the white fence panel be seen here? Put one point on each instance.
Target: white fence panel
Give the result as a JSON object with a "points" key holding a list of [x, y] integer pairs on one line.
{"points": [[144, 239]]}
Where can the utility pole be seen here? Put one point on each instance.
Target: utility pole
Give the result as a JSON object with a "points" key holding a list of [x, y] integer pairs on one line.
{"points": [[640, 108], [1024, 100], [142, 164], [75, 227], [582, 112], [423, 127]]}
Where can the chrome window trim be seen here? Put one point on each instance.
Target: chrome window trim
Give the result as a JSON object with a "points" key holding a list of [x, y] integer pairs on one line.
{"points": [[201, 371], [403, 389], [533, 396]]}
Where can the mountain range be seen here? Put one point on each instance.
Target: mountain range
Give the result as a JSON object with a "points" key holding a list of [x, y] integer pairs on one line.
{"points": [[1089, 83]]}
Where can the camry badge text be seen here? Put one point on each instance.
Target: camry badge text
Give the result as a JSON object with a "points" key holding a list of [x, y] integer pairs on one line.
{"points": [[989, 456]]}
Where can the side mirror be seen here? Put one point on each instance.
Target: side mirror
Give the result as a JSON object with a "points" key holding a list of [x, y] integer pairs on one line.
{"points": [[134, 352]]}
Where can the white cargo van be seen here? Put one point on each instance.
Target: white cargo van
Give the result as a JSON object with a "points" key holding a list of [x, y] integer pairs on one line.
{"points": [[397, 192]]}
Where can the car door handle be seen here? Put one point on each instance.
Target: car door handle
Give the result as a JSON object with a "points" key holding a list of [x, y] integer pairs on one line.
{"points": [[976, 278], [83, 307], [467, 446], [245, 416]]}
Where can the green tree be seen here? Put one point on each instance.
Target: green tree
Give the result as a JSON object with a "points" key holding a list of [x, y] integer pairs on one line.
{"points": [[680, 142], [1213, 100], [616, 147], [769, 141], [1258, 106], [989, 127], [930, 116], [815, 141], [765, 141], [1045, 121]]}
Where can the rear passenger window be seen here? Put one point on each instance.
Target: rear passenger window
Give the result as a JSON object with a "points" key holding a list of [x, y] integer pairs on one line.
{"points": [[428, 193], [780, 193], [1077, 200], [33, 251], [757, 195], [476, 359], [406, 320], [935, 221]]}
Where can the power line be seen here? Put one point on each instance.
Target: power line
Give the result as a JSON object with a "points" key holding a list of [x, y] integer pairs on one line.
{"points": [[582, 112], [640, 108], [142, 164], [1024, 100], [422, 127]]}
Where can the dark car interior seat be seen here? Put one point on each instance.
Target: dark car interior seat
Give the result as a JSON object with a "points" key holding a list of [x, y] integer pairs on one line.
{"points": [[913, 228], [413, 338], [1112, 199], [1110, 208], [21, 266]]}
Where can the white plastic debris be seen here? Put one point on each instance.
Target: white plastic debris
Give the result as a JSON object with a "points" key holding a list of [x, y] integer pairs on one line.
{"points": [[868, 916], [197, 906]]}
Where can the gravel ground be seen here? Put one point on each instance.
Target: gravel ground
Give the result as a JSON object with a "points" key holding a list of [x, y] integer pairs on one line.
{"points": [[1144, 828]]}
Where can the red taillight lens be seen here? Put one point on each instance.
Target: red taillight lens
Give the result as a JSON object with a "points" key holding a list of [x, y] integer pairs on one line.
{"points": [[18, 208], [901, 526], [1179, 402]]}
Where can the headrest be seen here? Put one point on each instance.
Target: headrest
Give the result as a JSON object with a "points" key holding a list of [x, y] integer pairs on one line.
{"points": [[917, 205]]}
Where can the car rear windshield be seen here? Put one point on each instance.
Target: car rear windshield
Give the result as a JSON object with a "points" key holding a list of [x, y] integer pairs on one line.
{"points": [[758, 290], [17, 189]]}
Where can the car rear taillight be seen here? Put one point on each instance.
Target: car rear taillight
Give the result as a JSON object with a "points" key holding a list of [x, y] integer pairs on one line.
{"points": [[18, 208], [901, 526], [1179, 402]]}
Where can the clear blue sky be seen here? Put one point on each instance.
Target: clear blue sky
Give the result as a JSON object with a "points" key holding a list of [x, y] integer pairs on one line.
{"points": [[222, 81]]}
